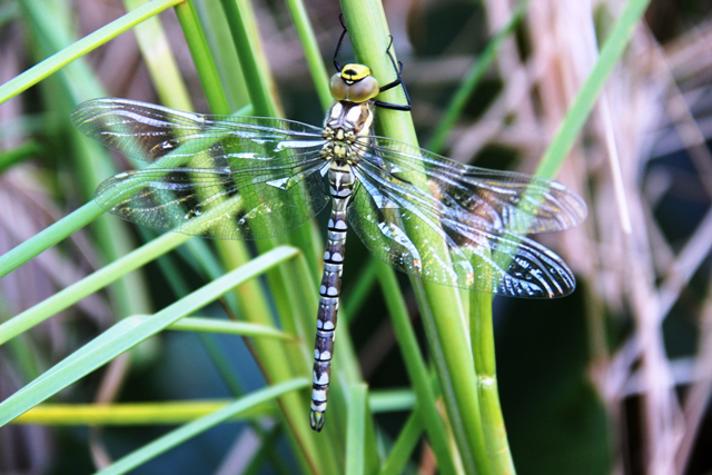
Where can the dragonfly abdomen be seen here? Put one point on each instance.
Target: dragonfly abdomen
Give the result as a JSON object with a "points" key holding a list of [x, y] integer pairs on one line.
{"points": [[341, 187]]}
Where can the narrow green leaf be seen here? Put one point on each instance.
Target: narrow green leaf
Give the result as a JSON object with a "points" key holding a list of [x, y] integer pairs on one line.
{"points": [[159, 59], [228, 327], [178, 436], [441, 306], [108, 274], [356, 430], [81, 47], [417, 369], [471, 81], [173, 412], [391, 400], [129, 332], [128, 414], [204, 61], [403, 448], [585, 99], [311, 51]]}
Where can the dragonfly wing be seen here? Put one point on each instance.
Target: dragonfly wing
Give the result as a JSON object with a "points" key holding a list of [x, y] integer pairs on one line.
{"points": [[228, 206], [502, 200], [417, 233], [194, 161], [147, 132]]}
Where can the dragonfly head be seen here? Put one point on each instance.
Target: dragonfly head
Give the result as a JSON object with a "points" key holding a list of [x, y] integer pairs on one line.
{"points": [[354, 83]]}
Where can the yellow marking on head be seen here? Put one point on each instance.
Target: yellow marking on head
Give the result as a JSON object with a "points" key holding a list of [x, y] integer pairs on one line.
{"points": [[354, 83], [354, 72]]}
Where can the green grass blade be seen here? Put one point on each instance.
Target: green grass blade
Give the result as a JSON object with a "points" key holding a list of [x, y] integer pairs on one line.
{"points": [[160, 61], [416, 368], [174, 412], [129, 332], [128, 414], [441, 305], [202, 57], [390, 400], [495, 433], [228, 327], [178, 436], [10, 158], [106, 275], [81, 47], [356, 430], [584, 101], [311, 51], [471, 81], [222, 48], [48, 237], [402, 449]]}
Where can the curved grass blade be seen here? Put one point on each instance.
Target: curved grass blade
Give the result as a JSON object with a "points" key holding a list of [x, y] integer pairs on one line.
{"points": [[182, 434], [81, 47], [129, 332]]}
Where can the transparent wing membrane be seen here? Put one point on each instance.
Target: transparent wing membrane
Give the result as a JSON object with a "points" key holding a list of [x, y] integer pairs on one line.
{"points": [[196, 162], [425, 214], [147, 132], [503, 200], [463, 228], [170, 199]]}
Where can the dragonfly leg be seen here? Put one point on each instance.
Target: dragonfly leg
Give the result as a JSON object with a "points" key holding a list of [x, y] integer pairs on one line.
{"points": [[398, 81], [337, 65]]}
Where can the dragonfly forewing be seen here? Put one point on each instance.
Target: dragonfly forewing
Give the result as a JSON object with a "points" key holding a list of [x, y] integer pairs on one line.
{"points": [[194, 161]]}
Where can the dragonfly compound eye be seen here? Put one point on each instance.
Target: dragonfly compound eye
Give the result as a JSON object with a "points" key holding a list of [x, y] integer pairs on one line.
{"points": [[354, 83]]}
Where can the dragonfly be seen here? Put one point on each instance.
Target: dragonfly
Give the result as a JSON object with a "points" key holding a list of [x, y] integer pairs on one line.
{"points": [[429, 216]]}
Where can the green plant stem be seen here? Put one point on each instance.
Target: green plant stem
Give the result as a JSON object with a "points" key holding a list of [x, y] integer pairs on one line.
{"points": [[405, 444], [311, 51], [356, 428], [471, 81], [80, 48], [182, 434], [416, 368], [482, 337], [103, 277], [440, 305], [9, 158], [75, 83], [204, 61], [174, 412], [228, 327], [129, 332], [585, 99], [128, 414]]}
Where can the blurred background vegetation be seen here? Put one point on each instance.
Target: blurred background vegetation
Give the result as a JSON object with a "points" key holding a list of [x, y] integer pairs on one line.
{"points": [[614, 379]]}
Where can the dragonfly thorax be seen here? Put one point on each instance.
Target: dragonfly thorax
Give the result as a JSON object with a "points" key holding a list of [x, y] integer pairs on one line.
{"points": [[346, 132]]}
